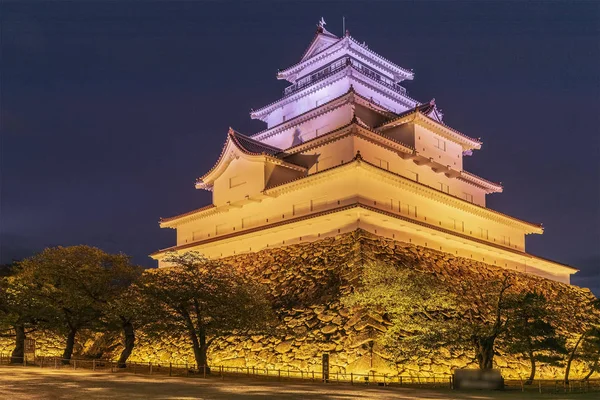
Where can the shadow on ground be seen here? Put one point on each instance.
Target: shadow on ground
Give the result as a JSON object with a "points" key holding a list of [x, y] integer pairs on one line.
{"points": [[27, 383]]}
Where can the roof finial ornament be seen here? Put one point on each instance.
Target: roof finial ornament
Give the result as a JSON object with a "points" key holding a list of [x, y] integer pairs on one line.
{"points": [[432, 102], [321, 26]]}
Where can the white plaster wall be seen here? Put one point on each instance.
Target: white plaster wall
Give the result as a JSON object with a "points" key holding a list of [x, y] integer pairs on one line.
{"points": [[277, 174], [312, 128], [331, 155], [345, 189], [343, 150], [333, 55], [242, 178], [307, 102], [323, 196], [426, 142], [393, 101]]}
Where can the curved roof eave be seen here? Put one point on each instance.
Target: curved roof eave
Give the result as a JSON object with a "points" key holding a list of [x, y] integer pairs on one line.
{"points": [[238, 145]]}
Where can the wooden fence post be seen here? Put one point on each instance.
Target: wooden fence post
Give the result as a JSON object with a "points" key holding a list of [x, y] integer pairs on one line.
{"points": [[94, 364], [170, 368]]}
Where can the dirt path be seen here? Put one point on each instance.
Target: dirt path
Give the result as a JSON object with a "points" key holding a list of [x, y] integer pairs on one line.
{"points": [[28, 383]]}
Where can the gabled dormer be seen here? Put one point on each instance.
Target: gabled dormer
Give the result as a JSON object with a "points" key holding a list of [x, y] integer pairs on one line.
{"points": [[322, 40], [244, 168]]}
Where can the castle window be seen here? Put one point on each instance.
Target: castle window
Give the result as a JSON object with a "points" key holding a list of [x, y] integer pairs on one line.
{"points": [[411, 210], [483, 233], [382, 163], [235, 181], [444, 188], [439, 144], [412, 175], [468, 197]]}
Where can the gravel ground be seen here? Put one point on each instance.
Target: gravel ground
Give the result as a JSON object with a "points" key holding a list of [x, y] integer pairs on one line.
{"points": [[17, 383]]}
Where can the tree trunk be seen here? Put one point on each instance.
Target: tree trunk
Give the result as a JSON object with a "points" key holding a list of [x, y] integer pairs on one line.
{"points": [[592, 370], [69, 346], [18, 353], [196, 348], [129, 333], [485, 352], [529, 381], [571, 356], [203, 350]]}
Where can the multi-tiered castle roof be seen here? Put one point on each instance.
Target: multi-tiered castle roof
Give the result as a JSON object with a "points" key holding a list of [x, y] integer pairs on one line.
{"points": [[347, 148]]}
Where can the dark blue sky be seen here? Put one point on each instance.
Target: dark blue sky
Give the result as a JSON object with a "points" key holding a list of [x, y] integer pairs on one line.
{"points": [[110, 110]]}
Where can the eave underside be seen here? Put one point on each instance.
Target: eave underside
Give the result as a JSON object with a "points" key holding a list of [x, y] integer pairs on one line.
{"points": [[357, 216]]}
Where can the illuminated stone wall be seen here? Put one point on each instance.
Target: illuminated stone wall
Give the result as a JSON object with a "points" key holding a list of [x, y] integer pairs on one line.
{"points": [[46, 343], [306, 281]]}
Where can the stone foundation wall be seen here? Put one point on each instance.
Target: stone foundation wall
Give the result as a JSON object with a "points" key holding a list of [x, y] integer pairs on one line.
{"points": [[305, 283], [46, 343]]}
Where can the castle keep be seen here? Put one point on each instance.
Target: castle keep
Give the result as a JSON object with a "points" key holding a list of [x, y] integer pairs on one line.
{"points": [[345, 149], [349, 171]]}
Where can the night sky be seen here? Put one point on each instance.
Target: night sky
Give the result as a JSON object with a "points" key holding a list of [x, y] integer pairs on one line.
{"points": [[111, 110]]}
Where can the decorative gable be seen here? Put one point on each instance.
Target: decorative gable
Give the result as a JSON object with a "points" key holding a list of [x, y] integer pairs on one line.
{"points": [[322, 40]]}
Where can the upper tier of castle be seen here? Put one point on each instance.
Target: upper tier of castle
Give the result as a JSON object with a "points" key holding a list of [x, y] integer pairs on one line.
{"points": [[345, 148]]}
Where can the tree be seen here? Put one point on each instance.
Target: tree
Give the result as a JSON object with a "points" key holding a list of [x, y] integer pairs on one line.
{"points": [[591, 350], [587, 319], [482, 317], [204, 299], [20, 313], [76, 283], [413, 301], [127, 312], [530, 331]]}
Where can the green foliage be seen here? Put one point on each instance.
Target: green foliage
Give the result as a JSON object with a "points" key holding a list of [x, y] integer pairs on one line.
{"points": [[414, 301], [589, 321], [531, 333], [204, 299], [590, 350], [425, 315], [20, 312], [76, 284], [482, 317]]}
